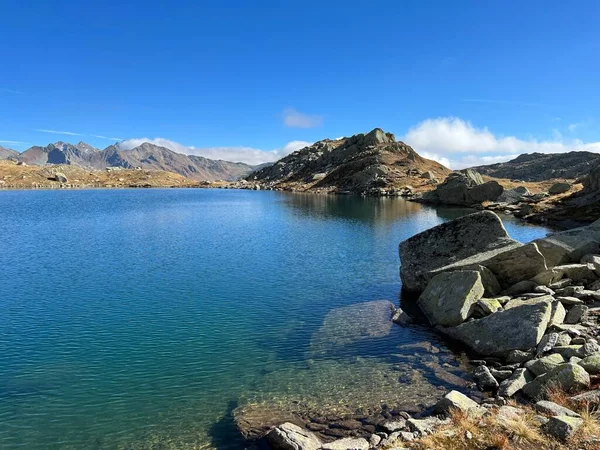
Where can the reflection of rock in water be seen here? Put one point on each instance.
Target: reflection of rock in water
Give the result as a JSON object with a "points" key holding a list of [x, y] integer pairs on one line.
{"points": [[367, 390], [350, 324], [365, 209]]}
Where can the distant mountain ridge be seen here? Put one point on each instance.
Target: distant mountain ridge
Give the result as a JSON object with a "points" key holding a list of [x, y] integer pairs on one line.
{"points": [[6, 153], [542, 166], [371, 163], [145, 156]]}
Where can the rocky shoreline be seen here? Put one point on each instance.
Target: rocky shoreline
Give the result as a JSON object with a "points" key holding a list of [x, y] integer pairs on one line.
{"points": [[528, 313]]}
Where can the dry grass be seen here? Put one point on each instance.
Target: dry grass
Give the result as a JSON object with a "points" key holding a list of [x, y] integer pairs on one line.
{"points": [[522, 432]]}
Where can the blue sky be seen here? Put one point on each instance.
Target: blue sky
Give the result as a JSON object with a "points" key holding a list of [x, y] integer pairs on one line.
{"points": [[464, 82]]}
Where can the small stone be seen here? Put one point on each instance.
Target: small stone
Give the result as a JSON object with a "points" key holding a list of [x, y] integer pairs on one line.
{"points": [[567, 351], [374, 440], [554, 409], [489, 305], [506, 413], [578, 341], [543, 365], [468, 435], [484, 379], [347, 444], [425, 426], [548, 342], [501, 375], [568, 377], [456, 400], [394, 425], [515, 383], [543, 290], [575, 314], [563, 427], [519, 356], [401, 318], [591, 363], [587, 349], [561, 284], [569, 300]]}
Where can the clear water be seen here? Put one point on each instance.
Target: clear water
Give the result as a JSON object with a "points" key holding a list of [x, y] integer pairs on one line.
{"points": [[141, 318]]}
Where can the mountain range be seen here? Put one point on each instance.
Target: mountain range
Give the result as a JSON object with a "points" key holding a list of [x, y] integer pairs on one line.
{"points": [[145, 156]]}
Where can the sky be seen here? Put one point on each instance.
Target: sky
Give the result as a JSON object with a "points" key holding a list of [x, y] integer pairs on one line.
{"points": [[462, 82]]}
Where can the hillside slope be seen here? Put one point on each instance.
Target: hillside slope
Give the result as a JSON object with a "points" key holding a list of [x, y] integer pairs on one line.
{"points": [[6, 153], [541, 166], [373, 163]]}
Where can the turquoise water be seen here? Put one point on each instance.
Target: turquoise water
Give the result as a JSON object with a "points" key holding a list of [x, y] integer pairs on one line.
{"points": [[142, 318]]}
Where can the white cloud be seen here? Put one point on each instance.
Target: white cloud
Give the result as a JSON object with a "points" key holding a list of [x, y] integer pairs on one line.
{"points": [[10, 91], [68, 133], [297, 119], [460, 144], [13, 142], [107, 138], [247, 155]]}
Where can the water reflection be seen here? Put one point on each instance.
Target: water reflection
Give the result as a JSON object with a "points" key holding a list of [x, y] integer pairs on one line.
{"points": [[364, 209]]}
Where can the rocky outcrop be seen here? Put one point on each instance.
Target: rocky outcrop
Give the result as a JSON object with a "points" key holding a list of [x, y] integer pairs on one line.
{"points": [[458, 245], [540, 166], [464, 188], [373, 163]]}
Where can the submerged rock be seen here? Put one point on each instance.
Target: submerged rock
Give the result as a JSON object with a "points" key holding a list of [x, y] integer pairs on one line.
{"points": [[351, 324], [450, 297]]}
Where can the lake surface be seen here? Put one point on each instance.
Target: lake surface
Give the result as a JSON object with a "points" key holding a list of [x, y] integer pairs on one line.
{"points": [[139, 319]]}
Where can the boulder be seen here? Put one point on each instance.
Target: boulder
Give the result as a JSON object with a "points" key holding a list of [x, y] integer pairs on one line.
{"points": [[348, 443], [584, 273], [553, 409], [513, 195], [593, 260], [450, 297], [562, 427], [567, 247], [291, 437], [517, 328], [591, 398], [591, 363], [545, 364], [516, 264], [456, 400], [520, 288], [61, 177], [568, 377], [559, 188], [463, 242], [515, 383], [558, 313]]}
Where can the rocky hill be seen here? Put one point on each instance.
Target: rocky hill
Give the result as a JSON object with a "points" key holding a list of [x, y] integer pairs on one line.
{"points": [[6, 153], [540, 166], [146, 156], [373, 163]]}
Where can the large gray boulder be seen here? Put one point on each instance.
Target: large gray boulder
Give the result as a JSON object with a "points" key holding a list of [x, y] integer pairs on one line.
{"points": [[464, 188], [291, 437], [518, 328], [559, 188], [457, 245], [568, 377], [450, 297], [569, 246], [563, 427]]}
